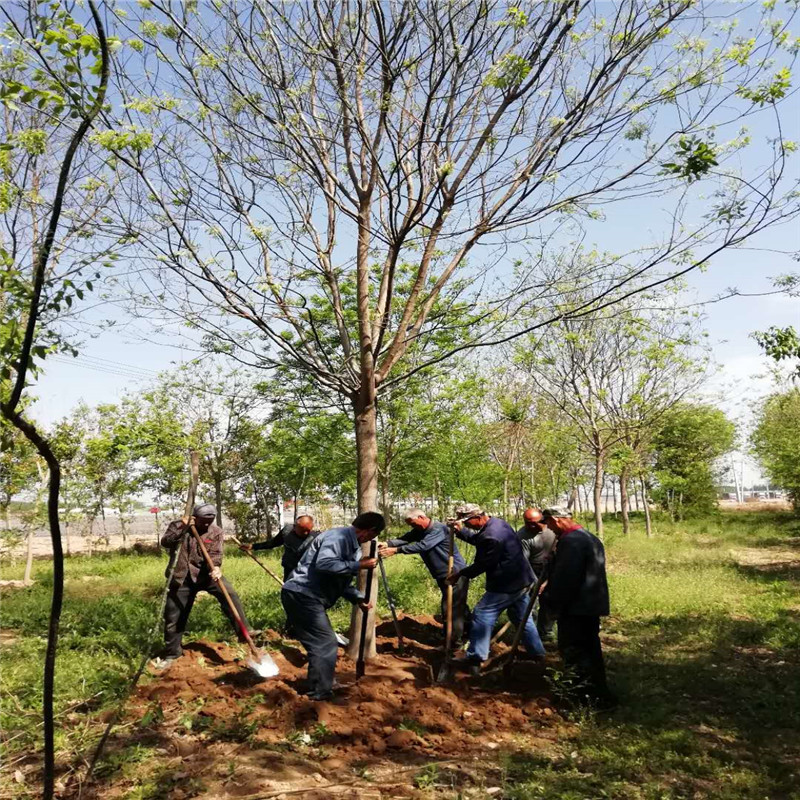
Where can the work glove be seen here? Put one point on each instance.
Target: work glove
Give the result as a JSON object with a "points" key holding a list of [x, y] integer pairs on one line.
{"points": [[216, 574]]}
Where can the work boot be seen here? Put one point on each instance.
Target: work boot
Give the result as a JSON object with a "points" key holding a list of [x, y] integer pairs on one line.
{"points": [[472, 666]]}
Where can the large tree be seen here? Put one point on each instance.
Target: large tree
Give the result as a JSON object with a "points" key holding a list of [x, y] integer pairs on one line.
{"points": [[330, 185]]}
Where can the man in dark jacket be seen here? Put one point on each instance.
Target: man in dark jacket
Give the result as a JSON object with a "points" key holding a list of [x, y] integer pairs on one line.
{"points": [[295, 537], [325, 573], [431, 540], [508, 578], [192, 575], [538, 545], [577, 595]]}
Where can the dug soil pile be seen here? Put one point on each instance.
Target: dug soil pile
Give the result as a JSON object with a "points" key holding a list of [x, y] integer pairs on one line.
{"points": [[222, 732]]}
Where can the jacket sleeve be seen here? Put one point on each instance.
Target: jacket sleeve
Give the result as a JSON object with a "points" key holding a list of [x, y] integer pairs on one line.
{"points": [[565, 576], [334, 558], [275, 541], [216, 546], [426, 542], [406, 538], [466, 535], [352, 595], [173, 534], [485, 559]]}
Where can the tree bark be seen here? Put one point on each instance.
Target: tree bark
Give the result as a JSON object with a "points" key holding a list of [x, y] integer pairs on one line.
{"points": [[648, 525], [218, 495], [624, 501], [366, 424], [598, 492]]}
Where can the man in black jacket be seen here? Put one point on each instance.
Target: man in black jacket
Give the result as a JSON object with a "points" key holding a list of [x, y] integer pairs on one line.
{"points": [[508, 578], [295, 537], [577, 596], [431, 541]]}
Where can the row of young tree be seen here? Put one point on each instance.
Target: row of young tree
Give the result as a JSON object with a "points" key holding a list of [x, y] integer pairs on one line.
{"points": [[588, 410]]}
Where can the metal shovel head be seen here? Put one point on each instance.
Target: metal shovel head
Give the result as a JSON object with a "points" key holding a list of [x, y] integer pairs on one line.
{"points": [[444, 671], [342, 641], [265, 668]]}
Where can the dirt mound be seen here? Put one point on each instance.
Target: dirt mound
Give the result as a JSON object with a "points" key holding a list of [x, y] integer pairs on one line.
{"points": [[209, 702]]}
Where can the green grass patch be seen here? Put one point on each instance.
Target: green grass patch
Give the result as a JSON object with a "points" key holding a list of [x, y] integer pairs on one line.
{"points": [[703, 648]]}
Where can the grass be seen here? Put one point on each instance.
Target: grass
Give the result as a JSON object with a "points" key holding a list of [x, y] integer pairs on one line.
{"points": [[703, 648]]}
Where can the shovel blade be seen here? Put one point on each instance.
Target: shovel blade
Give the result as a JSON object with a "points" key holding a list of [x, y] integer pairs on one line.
{"points": [[444, 672], [264, 668]]}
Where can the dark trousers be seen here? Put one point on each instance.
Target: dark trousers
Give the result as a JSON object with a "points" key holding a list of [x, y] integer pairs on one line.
{"points": [[545, 622], [180, 600], [307, 618], [579, 644], [460, 607]]}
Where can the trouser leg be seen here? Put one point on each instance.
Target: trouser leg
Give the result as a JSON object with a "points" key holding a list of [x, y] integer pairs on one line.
{"points": [[530, 636], [545, 622], [180, 600], [484, 616], [579, 644], [214, 590], [313, 628]]}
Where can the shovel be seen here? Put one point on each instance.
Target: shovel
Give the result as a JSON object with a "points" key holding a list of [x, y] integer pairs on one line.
{"points": [[261, 664], [444, 670], [390, 600]]}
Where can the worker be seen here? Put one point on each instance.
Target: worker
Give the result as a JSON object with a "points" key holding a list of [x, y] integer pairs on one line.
{"points": [[192, 575], [431, 541], [324, 574], [576, 594], [508, 579], [295, 537], [538, 546]]}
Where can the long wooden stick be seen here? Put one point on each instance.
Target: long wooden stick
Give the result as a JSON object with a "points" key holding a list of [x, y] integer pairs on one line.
{"points": [[265, 568]]}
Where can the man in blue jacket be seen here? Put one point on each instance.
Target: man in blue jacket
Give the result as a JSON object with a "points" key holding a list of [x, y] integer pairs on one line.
{"points": [[577, 596], [325, 573], [431, 541], [508, 578]]}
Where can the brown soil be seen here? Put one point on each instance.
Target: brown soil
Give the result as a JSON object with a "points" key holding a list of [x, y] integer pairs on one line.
{"points": [[225, 733]]}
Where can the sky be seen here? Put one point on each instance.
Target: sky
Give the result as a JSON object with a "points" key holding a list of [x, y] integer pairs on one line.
{"points": [[127, 357]]}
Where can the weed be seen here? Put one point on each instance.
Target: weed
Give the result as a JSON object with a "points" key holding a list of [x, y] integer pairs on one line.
{"points": [[428, 777], [410, 724]]}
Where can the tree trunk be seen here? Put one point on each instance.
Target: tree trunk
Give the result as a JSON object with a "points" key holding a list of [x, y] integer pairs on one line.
{"points": [[624, 501], [26, 578], [505, 496], [598, 492], [573, 498], [636, 496], [218, 496], [367, 497], [648, 525]]}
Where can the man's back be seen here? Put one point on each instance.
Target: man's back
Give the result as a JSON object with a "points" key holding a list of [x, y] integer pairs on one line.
{"points": [[577, 582], [499, 555]]}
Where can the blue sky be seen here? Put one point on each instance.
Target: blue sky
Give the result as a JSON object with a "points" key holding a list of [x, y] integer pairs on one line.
{"points": [[124, 358]]}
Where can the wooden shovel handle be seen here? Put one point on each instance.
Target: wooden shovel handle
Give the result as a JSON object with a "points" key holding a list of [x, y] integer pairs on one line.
{"points": [[266, 569], [218, 581]]}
